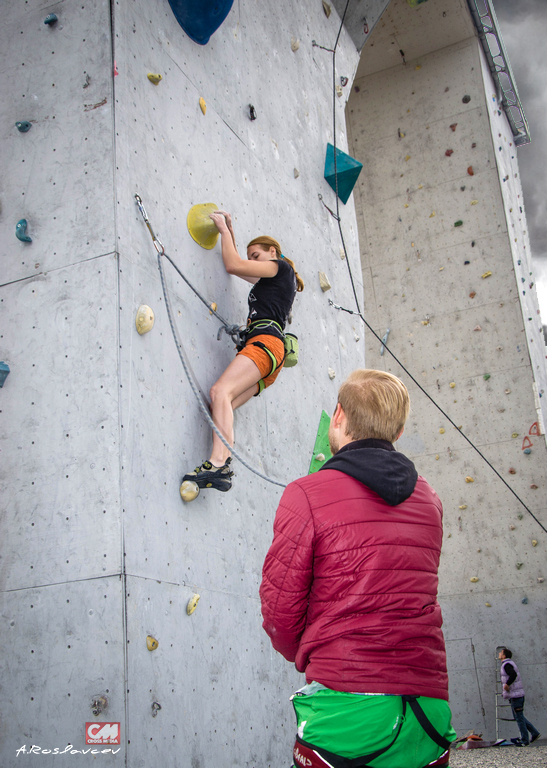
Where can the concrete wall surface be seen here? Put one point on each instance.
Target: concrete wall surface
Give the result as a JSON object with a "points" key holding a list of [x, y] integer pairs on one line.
{"points": [[445, 260], [98, 424]]}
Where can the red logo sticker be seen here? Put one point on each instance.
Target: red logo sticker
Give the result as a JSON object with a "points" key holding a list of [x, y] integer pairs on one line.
{"points": [[102, 733]]}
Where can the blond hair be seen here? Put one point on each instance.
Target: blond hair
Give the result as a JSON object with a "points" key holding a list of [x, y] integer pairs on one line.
{"points": [[268, 242], [376, 405]]}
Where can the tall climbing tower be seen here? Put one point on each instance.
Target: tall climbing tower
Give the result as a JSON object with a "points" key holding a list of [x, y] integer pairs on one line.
{"points": [[435, 118], [100, 557]]}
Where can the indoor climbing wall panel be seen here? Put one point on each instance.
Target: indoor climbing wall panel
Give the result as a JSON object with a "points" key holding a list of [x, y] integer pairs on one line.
{"points": [[446, 262], [98, 422], [213, 671]]}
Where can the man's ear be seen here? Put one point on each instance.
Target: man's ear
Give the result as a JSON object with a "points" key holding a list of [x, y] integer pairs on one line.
{"points": [[337, 416], [400, 434]]}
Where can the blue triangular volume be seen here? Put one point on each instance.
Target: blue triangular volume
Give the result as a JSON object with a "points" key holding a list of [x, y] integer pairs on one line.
{"points": [[348, 170], [200, 19]]}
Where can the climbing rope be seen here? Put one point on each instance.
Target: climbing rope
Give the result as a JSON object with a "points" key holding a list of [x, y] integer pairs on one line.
{"points": [[231, 330], [383, 341], [180, 349]]}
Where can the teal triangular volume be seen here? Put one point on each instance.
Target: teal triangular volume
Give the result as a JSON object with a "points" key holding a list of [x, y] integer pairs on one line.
{"points": [[348, 170]]}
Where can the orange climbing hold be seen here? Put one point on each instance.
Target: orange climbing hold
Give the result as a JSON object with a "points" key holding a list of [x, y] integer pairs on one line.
{"points": [[470, 171]]}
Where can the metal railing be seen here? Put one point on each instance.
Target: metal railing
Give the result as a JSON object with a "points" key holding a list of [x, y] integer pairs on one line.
{"points": [[486, 22]]}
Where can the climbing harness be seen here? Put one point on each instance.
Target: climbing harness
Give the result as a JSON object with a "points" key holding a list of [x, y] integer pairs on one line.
{"points": [[311, 756], [232, 331], [383, 341], [180, 349]]}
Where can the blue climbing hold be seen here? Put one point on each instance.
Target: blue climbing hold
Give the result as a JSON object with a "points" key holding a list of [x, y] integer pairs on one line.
{"points": [[21, 231], [200, 20], [4, 370], [23, 126], [527, 451], [524, 601], [51, 19], [347, 170]]}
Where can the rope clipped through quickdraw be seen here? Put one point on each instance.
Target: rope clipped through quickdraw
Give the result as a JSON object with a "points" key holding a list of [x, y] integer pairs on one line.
{"points": [[180, 349], [336, 216], [231, 330]]}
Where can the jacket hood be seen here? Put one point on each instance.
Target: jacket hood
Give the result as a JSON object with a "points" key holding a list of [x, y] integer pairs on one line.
{"points": [[377, 464]]}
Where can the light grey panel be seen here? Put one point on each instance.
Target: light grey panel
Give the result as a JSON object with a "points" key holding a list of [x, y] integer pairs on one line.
{"points": [[59, 175], [223, 692], [59, 426], [66, 649]]}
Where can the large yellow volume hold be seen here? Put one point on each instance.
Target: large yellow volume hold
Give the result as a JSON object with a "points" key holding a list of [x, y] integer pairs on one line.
{"points": [[201, 227]]}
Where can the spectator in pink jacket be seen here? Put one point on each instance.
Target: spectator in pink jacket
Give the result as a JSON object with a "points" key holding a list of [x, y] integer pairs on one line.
{"points": [[349, 594]]}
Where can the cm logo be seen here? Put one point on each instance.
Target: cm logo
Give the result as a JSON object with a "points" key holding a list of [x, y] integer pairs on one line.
{"points": [[102, 733]]}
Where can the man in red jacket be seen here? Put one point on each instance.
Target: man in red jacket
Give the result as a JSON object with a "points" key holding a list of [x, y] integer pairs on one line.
{"points": [[349, 593]]}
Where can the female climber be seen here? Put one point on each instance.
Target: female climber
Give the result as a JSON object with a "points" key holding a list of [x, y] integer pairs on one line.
{"points": [[262, 352]]}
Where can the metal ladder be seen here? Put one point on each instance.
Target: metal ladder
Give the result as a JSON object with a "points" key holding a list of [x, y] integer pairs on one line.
{"points": [[500, 701]]}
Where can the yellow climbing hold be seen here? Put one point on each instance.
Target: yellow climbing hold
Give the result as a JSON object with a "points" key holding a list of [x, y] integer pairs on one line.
{"points": [[151, 643], [407, 158], [534, 543], [324, 282], [488, 605], [442, 430], [418, 66], [437, 457], [420, 186], [200, 225], [515, 434], [327, 9], [192, 604], [486, 274], [144, 320], [432, 214], [452, 384], [154, 77], [462, 506], [474, 202], [474, 579], [213, 307], [469, 479], [202, 105]]}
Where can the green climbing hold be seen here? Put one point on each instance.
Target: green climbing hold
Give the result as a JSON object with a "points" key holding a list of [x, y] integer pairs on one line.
{"points": [[347, 171], [23, 126], [458, 223], [486, 376], [321, 449], [21, 231], [51, 19]]}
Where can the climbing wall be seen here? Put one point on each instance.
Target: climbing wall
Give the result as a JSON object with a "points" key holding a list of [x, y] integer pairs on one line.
{"points": [[98, 423], [446, 273]]}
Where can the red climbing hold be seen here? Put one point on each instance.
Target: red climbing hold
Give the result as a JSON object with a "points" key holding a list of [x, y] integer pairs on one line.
{"points": [[453, 127], [534, 429], [449, 152], [470, 171], [527, 443]]}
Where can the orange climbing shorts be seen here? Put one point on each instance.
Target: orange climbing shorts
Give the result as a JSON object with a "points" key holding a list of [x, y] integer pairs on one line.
{"points": [[262, 359]]}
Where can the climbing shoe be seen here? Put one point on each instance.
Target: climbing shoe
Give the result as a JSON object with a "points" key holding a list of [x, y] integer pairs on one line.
{"points": [[209, 476]]}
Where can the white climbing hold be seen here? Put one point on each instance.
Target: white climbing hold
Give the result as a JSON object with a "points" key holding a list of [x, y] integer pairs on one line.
{"points": [[477, 328], [324, 282], [511, 527], [296, 173], [540, 579], [339, 90], [144, 320], [327, 9], [320, 457], [332, 373], [342, 252], [192, 604], [507, 391], [295, 44]]}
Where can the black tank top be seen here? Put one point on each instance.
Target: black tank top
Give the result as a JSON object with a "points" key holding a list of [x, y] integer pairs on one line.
{"points": [[271, 298]]}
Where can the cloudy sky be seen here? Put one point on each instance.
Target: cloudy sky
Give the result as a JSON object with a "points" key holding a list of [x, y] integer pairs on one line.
{"points": [[523, 25]]}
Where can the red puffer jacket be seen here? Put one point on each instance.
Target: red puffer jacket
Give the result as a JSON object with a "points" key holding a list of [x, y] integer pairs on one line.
{"points": [[349, 589]]}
